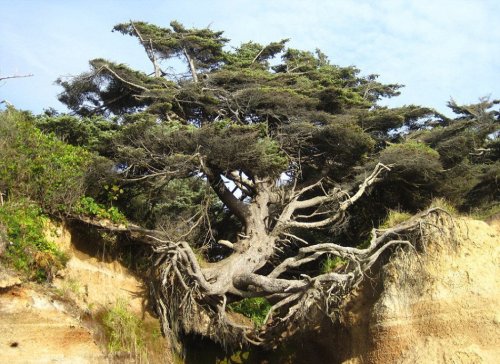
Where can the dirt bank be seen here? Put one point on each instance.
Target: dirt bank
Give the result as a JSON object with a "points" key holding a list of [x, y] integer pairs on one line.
{"points": [[441, 306], [57, 323], [36, 327]]}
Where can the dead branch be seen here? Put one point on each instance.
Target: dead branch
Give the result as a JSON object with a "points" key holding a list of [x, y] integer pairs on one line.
{"points": [[15, 76]]}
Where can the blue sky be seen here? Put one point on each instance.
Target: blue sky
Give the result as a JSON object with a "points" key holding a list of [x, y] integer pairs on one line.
{"points": [[438, 48]]}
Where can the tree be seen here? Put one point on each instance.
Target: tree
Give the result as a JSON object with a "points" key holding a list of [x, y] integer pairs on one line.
{"points": [[277, 146]]}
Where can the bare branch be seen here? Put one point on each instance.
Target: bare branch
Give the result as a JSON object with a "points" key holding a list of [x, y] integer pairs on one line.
{"points": [[148, 46], [286, 219], [15, 76]]}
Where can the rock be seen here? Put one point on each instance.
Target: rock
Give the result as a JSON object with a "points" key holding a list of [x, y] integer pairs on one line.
{"points": [[8, 280]]}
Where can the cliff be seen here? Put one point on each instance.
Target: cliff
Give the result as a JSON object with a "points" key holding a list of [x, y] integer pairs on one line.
{"points": [[441, 305]]}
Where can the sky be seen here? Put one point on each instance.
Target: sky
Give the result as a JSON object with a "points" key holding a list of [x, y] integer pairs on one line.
{"points": [[439, 49]]}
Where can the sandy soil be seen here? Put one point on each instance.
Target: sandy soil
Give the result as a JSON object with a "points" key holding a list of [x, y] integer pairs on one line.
{"points": [[440, 307], [39, 329], [42, 324]]}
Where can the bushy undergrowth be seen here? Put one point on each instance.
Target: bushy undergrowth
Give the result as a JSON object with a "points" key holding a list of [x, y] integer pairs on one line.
{"points": [[331, 263], [125, 332], [28, 250], [395, 217], [88, 206], [38, 166], [123, 329], [487, 212], [445, 205], [255, 308]]}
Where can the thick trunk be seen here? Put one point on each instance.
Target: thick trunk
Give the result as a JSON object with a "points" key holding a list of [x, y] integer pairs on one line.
{"points": [[250, 254]]}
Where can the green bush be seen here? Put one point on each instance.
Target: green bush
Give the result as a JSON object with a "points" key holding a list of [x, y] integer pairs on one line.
{"points": [[88, 206], [331, 263], [29, 251], [255, 308], [37, 166], [124, 331]]}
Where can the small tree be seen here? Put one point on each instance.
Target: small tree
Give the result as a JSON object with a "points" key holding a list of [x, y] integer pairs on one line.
{"points": [[285, 143]]}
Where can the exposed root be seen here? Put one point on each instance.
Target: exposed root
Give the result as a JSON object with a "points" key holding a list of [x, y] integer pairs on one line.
{"points": [[187, 302]]}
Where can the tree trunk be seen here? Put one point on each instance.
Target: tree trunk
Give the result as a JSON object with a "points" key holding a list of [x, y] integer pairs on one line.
{"points": [[250, 254], [192, 67]]}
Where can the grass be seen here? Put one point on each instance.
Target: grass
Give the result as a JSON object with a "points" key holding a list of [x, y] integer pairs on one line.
{"points": [[331, 263], [70, 287], [445, 205], [395, 217], [123, 331], [127, 333], [255, 309]]}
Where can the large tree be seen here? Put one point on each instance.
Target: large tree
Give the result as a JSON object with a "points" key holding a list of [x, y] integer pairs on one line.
{"points": [[276, 145]]}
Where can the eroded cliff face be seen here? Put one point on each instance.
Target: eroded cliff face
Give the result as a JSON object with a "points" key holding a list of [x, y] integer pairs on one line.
{"points": [[58, 323], [37, 327], [439, 306]]}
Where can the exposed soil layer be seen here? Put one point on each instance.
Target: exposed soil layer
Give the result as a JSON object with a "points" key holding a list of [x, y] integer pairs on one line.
{"points": [[441, 306], [55, 323], [37, 328]]}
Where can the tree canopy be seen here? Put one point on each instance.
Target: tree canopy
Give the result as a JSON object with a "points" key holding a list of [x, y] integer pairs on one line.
{"points": [[259, 163]]}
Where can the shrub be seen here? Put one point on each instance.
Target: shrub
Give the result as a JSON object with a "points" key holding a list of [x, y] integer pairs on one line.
{"points": [[124, 331], [255, 308], [38, 166], [29, 251], [88, 206]]}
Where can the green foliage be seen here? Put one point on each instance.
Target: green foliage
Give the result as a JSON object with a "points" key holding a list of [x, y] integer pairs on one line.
{"points": [[264, 111], [331, 263], [415, 148], [30, 251], [415, 174], [486, 212], [169, 206], [93, 133], [255, 308], [39, 166], [124, 331], [88, 206], [204, 46]]}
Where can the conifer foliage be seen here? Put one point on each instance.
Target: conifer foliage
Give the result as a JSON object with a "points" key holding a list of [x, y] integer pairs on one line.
{"points": [[264, 154]]}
